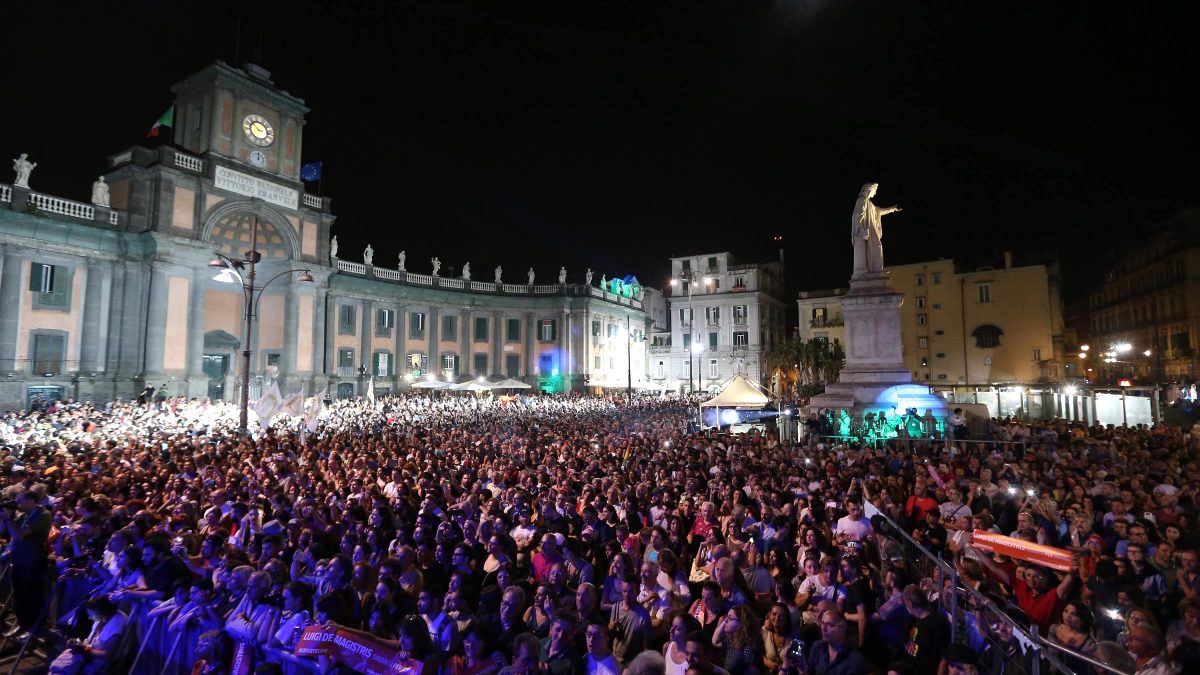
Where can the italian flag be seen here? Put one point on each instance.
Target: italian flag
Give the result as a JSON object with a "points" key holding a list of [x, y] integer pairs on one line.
{"points": [[167, 119]]}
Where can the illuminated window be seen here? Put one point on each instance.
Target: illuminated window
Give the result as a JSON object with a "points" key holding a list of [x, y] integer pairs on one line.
{"points": [[712, 369]]}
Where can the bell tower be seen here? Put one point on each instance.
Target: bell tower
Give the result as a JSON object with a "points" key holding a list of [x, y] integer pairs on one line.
{"points": [[239, 113]]}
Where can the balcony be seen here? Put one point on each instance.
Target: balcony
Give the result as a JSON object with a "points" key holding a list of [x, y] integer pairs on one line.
{"points": [[659, 349], [737, 289], [827, 323], [347, 371]]}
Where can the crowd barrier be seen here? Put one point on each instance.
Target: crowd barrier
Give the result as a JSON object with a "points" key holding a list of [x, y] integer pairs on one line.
{"points": [[966, 609]]}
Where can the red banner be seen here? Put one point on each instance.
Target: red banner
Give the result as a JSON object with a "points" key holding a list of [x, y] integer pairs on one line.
{"points": [[353, 651], [1039, 554]]}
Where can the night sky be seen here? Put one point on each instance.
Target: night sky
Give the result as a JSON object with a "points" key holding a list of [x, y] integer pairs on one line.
{"points": [[615, 134]]}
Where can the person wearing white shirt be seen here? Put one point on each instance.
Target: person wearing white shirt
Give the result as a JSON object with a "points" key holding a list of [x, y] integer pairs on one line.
{"points": [[599, 659], [853, 526]]}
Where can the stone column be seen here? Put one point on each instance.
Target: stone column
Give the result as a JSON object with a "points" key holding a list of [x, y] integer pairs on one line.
{"points": [[400, 367], [498, 345], [327, 317], [156, 328], [466, 338], [531, 337], [564, 349], [195, 346], [365, 338], [586, 368], [291, 327], [10, 299], [431, 327]]}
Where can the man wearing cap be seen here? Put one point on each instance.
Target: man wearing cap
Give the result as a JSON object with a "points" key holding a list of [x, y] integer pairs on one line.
{"points": [[960, 659]]}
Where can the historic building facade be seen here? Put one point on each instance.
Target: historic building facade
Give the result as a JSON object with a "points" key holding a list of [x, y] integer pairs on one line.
{"points": [[1148, 301], [981, 325], [734, 314], [100, 300]]}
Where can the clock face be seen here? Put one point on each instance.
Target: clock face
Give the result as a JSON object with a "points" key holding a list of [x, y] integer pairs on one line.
{"points": [[258, 130], [257, 158]]}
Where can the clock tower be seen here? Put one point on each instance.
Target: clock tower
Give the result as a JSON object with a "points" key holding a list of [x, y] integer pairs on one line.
{"points": [[239, 113]]}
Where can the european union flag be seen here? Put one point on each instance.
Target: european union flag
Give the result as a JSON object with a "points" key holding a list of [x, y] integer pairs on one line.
{"points": [[310, 172]]}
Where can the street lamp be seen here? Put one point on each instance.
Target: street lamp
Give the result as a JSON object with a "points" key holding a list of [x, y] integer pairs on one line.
{"points": [[629, 340], [231, 271], [690, 279]]}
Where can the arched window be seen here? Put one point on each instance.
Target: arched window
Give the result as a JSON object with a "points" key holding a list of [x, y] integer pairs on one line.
{"points": [[987, 336]]}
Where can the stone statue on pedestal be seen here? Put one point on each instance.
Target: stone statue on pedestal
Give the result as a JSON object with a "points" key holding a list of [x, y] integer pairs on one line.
{"points": [[402, 258], [866, 231], [562, 275], [587, 277], [437, 265], [466, 273], [368, 255], [100, 192], [530, 275], [23, 167], [604, 281], [499, 271], [333, 247]]}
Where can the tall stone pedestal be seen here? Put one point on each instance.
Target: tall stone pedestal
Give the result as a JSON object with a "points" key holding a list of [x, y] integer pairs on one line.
{"points": [[875, 378]]}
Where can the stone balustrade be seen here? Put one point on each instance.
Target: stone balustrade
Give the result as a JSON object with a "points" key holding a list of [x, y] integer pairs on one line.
{"points": [[451, 283]]}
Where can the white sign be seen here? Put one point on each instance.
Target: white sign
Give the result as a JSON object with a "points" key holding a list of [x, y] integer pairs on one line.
{"points": [[252, 186]]}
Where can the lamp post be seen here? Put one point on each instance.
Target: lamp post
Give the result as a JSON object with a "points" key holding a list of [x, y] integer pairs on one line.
{"points": [[629, 340], [231, 270], [690, 279]]}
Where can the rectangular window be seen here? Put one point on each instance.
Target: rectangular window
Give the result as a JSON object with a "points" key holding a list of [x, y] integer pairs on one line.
{"points": [[924, 343], [385, 321], [937, 277], [984, 292], [685, 315], [449, 328], [48, 352], [481, 329], [382, 366], [712, 315], [687, 343], [921, 320], [740, 312], [481, 364], [712, 264], [687, 368], [547, 330], [920, 303], [345, 358], [612, 363], [595, 329], [712, 341], [416, 325], [512, 365], [41, 278], [661, 369], [739, 282], [416, 363], [596, 363], [346, 319], [920, 280], [741, 338], [686, 265], [449, 364], [513, 331], [712, 369], [1037, 355]]}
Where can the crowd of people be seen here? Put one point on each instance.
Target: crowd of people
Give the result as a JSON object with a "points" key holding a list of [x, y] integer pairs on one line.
{"points": [[476, 535]]}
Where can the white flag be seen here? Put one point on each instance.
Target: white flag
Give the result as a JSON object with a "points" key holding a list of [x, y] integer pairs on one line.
{"points": [[268, 404], [371, 389], [294, 405], [310, 419]]}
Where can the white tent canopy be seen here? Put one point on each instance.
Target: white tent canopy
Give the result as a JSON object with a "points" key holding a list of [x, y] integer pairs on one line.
{"points": [[473, 385], [511, 384], [431, 384], [739, 392]]}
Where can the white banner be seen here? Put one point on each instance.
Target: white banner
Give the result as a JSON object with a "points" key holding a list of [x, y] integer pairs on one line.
{"points": [[252, 186]]}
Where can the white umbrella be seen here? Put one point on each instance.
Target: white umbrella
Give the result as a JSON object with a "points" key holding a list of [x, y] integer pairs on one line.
{"points": [[473, 385], [431, 384], [511, 384]]}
